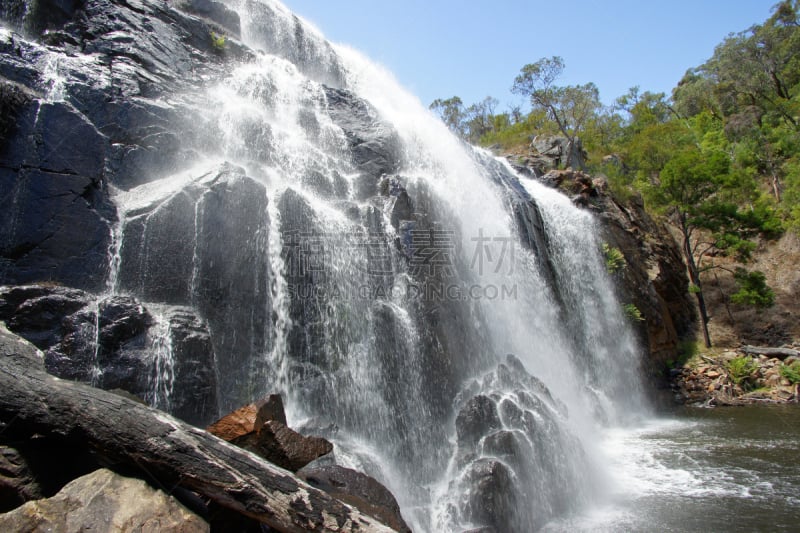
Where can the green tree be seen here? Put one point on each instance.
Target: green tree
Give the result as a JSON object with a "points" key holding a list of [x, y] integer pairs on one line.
{"points": [[570, 107], [479, 119], [452, 113], [753, 289], [752, 83], [694, 190]]}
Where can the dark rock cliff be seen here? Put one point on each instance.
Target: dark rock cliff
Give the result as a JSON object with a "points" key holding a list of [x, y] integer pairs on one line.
{"points": [[96, 97]]}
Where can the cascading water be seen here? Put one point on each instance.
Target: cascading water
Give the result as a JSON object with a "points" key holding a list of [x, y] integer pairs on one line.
{"points": [[409, 265], [446, 323]]}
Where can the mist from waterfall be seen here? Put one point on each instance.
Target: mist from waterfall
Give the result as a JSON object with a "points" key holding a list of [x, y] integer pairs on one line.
{"points": [[383, 301]]}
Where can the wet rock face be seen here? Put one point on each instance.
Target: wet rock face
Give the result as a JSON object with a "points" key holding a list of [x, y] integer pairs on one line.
{"points": [[374, 145], [116, 343], [512, 452], [477, 416], [101, 106], [45, 170], [654, 277], [205, 244], [494, 499]]}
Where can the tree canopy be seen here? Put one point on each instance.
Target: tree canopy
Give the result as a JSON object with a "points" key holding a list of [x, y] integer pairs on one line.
{"points": [[719, 157]]}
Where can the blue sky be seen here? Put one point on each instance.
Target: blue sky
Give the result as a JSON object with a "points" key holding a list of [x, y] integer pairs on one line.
{"points": [[475, 48]]}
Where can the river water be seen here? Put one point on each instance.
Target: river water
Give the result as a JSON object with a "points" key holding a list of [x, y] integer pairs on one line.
{"points": [[723, 469]]}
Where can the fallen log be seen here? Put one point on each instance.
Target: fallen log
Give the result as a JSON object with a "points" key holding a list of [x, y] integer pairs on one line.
{"points": [[175, 454], [780, 353]]}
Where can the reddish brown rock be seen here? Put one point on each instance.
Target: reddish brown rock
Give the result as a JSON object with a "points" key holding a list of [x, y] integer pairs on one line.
{"points": [[236, 424], [281, 445], [261, 428], [249, 418]]}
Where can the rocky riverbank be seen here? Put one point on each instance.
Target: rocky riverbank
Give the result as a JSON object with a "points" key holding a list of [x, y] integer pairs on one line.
{"points": [[739, 377]]}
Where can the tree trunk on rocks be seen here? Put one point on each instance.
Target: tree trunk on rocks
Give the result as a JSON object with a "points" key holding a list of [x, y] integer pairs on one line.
{"points": [[168, 451], [780, 353]]}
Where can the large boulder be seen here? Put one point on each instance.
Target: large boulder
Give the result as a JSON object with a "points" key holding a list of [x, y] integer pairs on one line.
{"points": [[14, 346], [494, 498], [104, 501], [38, 312], [517, 463]]}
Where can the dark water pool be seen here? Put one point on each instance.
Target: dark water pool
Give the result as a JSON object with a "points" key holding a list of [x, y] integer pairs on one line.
{"points": [[701, 470]]}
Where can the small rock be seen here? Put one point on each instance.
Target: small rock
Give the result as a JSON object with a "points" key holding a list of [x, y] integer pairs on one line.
{"points": [[261, 428], [249, 419], [236, 424], [271, 409], [784, 394], [283, 446], [713, 374], [359, 490]]}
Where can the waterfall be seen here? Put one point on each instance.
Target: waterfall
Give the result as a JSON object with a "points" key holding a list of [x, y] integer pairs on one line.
{"points": [[448, 324]]}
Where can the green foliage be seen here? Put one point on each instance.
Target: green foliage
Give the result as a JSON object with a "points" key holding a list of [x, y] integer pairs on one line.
{"points": [[720, 157], [633, 313], [753, 289], [470, 123], [510, 134], [217, 42], [791, 372], [571, 107], [740, 369], [451, 111], [614, 258]]}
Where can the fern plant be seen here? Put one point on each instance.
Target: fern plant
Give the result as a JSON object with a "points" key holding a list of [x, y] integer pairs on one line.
{"points": [[633, 313], [791, 372], [740, 369], [615, 260]]}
